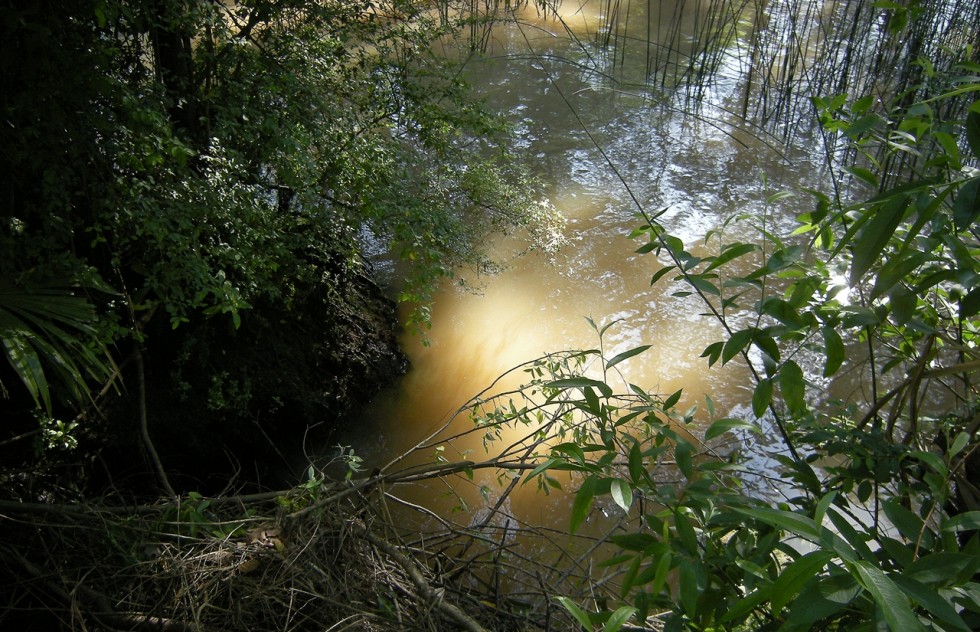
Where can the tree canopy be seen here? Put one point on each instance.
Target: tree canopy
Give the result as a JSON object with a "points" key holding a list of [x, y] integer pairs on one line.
{"points": [[166, 161]]}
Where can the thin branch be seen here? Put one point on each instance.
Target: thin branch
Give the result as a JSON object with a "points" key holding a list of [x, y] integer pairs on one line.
{"points": [[102, 610], [428, 593], [145, 430]]}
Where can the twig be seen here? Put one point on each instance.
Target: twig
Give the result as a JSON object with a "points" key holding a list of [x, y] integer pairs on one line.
{"points": [[138, 324], [416, 473], [19, 437], [90, 510], [103, 610], [433, 596], [145, 430]]}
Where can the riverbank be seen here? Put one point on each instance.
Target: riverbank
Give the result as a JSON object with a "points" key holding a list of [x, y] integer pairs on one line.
{"points": [[321, 554]]}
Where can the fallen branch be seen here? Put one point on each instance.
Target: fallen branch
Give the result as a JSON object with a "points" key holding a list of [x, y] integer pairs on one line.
{"points": [[427, 592]]}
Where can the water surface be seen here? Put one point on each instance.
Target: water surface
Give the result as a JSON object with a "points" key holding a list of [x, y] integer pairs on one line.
{"points": [[602, 149]]}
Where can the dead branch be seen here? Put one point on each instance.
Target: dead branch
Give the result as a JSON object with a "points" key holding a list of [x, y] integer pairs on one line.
{"points": [[430, 594]]}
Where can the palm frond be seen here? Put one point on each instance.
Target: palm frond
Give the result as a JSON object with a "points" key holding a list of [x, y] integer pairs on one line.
{"points": [[49, 330]]}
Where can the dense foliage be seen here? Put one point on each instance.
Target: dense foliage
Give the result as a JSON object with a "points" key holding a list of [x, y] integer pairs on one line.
{"points": [[164, 162]]}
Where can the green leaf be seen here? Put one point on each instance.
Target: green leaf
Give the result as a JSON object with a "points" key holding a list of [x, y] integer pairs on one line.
{"points": [[634, 541], [581, 383], [903, 302], [932, 460], [908, 524], [897, 22], [795, 576], [27, 365], [626, 355], [736, 344], [619, 618], [660, 576], [822, 506], [767, 344], [659, 274], [702, 284], [540, 468], [824, 599], [968, 595], [973, 131], [781, 310], [761, 397], [889, 597], [794, 523], [616, 560], [675, 246], [781, 195], [583, 503], [592, 324], [862, 125], [943, 568], [834, 348], [966, 206], [793, 387], [915, 186], [592, 404], [637, 471], [682, 454], [689, 589], [970, 304], [621, 493], [862, 105], [857, 539], [746, 605], [722, 426], [896, 272], [875, 235], [864, 174], [948, 143], [685, 532], [713, 352], [959, 442], [47, 328], [930, 599], [732, 252], [857, 316], [829, 539], [572, 449], [864, 490], [576, 612], [671, 401], [969, 521]]}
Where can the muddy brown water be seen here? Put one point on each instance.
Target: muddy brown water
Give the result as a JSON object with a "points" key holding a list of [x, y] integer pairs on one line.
{"points": [[697, 160]]}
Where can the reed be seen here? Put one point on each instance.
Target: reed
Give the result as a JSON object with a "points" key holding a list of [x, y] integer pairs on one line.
{"points": [[784, 52]]}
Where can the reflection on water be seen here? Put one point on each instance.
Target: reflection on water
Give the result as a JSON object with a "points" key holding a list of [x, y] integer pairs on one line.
{"points": [[702, 169]]}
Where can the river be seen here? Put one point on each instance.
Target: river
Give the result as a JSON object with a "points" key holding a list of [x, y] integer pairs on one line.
{"points": [[696, 159]]}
